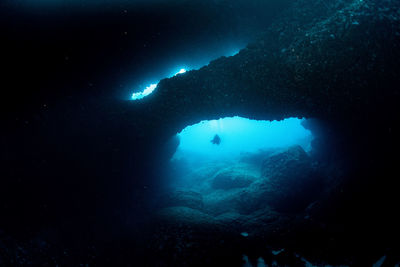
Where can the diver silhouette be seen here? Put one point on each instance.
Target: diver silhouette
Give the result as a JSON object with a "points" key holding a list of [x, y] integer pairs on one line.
{"points": [[216, 140]]}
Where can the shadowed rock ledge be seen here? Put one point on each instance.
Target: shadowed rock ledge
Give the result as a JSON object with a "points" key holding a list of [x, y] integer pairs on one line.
{"points": [[338, 65]]}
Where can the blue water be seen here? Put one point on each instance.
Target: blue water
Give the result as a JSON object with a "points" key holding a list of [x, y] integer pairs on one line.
{"points": [[240, 135]]}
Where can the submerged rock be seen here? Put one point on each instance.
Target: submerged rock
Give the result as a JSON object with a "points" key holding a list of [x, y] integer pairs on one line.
{"points": [[284, 163], [255, 158], [225, 186], [185, 215], [228, 179], [291, 179], [222, 201], [288, 182]]}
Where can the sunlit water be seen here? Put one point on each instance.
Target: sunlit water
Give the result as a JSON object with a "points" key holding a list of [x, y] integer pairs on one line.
{"points": [[240, 135]]}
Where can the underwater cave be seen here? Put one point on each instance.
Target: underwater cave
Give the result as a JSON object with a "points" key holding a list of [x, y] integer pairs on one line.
{"points": [[240, 141], [254, 164], [107, 163]]}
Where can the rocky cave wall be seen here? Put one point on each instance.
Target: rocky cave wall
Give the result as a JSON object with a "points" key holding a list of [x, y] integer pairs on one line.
{"points": [[333, 61], [336, 62], [341, 64]]}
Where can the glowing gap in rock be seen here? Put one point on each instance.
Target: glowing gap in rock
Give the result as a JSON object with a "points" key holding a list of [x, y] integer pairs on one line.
{"points": [[180, 72], [240, 135], [149, 89]]}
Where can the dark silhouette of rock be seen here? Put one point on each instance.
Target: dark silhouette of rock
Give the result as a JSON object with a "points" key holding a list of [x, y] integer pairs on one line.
{"points": [[288, 182], [186, 215], [292, 182]]}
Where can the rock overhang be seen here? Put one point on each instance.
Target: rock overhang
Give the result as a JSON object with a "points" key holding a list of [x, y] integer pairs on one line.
{"points": [[306, 72]]}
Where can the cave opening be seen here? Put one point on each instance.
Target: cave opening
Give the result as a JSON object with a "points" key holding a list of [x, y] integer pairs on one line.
{"points": [[150, 88], [238, 137], [238, 165]]}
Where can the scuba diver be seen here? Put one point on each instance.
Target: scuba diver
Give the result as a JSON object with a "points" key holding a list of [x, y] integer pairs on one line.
{"points": [[216, 140]]}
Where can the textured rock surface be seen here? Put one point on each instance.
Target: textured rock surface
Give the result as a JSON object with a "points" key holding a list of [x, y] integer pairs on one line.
{"points": [[186, 215], [307, 64], [229, 179], [290, 181]]}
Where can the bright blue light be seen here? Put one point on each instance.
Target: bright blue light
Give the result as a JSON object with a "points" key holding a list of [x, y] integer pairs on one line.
{"points": [[148, 90], [175, 72], [180, 72], [239, 135]]}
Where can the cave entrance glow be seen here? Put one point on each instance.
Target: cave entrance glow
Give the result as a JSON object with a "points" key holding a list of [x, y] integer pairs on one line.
{"points": [[235, 146], [240, 136], [150, 88]]}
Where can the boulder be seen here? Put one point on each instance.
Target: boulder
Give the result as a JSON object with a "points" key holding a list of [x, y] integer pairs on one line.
{"points": [[225, 187], [288, 183], [255, 158], [229, 179], [222, 201], [285, 164], [292, 182]]}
